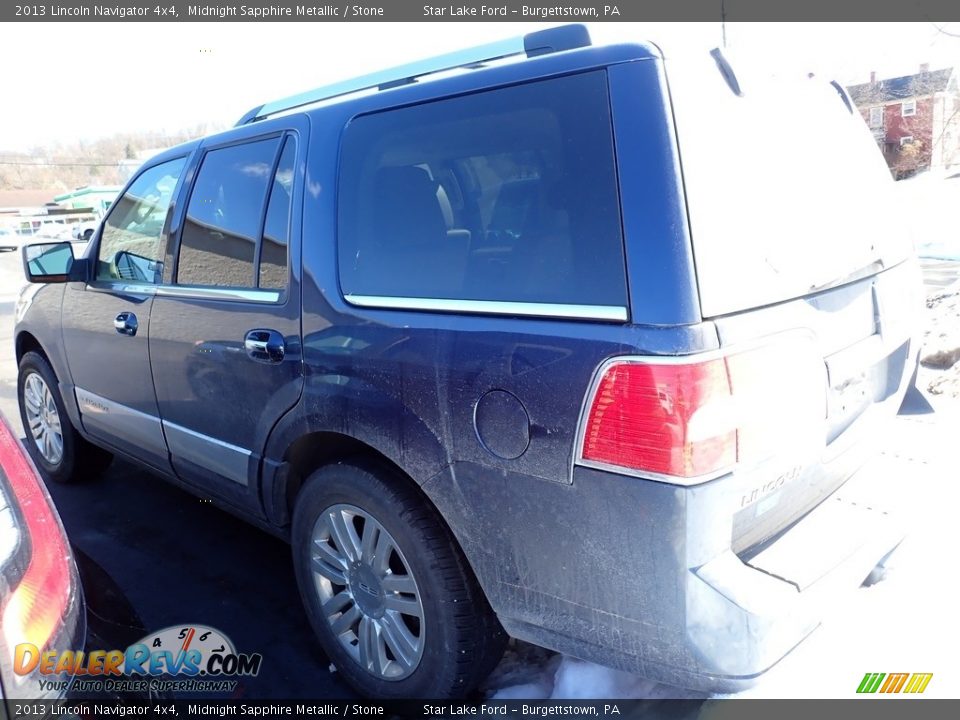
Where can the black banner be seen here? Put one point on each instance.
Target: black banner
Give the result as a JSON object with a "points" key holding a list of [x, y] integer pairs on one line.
{"points": [[474, 11]]}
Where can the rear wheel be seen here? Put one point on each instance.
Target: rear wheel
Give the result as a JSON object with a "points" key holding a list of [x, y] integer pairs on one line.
{"points": [[58, 451], [389, 594]]}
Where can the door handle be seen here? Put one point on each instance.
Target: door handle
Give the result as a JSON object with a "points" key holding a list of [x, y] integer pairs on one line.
{"points": [[126, 324], [264, 345]]}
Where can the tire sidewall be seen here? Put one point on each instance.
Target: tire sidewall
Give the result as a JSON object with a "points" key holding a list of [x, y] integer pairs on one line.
{"points": [[326, 488], [32, 363]]}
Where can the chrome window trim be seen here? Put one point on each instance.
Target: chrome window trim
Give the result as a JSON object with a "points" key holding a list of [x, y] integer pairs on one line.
{"points": [[122, 287], [603, 313], [194, 292]]}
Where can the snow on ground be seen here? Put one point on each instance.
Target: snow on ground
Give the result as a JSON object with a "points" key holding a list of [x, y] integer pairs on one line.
{"points": [[906, 622], [940, 355]]}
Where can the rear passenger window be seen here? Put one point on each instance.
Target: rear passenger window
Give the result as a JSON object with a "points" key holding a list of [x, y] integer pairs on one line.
{"points": [[507, 195], [225, 214]]}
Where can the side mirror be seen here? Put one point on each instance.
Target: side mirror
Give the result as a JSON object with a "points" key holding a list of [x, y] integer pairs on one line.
{"points": [[48, 262]]}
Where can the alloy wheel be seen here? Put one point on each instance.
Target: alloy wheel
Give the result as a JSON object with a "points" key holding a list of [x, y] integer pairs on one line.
{"points": [[367, 591], [43, 418]]}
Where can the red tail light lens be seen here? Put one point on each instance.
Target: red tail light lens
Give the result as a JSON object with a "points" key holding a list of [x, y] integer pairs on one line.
{"points": [[643, 418], [44, 591], [693, 419]]}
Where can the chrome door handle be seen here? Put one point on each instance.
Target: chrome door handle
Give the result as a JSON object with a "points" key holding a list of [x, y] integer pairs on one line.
{"points": [[126, 324], [264, 345]]}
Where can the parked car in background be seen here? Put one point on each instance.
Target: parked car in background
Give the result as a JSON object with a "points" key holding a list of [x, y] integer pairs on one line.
{"points": [[536, 348], [8, 240], [41, 602], [84, 231]]}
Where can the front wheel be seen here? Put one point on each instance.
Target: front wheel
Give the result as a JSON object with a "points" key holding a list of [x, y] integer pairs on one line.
{"points": [[57, 449], [388, 592]]}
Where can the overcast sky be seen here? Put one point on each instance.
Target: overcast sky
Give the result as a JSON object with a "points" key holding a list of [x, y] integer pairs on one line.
{"points": [[64, 81]]}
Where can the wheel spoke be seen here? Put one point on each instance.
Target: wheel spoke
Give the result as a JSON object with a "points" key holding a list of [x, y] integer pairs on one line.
{"points": [[329, 553], [367, 644], [399, 639], [322, 567], [345, 535], [346, 620], [337, 603], [36, 427], [371, 532], [55, 424], [403, 605], [381, 556], [57, 443], [30, 397], [398, 584]]}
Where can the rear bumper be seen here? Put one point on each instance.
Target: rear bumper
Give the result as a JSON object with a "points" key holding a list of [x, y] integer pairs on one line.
{"points": [[716, 625], [745, 613]]}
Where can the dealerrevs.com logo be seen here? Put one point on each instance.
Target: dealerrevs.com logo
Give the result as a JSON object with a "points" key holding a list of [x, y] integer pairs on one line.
{"points": [[191, 657], [894, 682]]}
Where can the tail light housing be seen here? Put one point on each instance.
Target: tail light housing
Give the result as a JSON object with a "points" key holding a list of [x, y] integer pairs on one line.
{"points": [[691, 419], [40, 599]]}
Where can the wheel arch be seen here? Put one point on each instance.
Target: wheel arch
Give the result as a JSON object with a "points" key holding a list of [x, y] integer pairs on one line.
{"points": [[319, 448], [27, 342]]}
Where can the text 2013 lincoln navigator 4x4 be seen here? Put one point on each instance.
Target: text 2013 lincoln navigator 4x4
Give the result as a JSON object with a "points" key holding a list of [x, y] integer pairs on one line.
{"points": [[567, 343]]}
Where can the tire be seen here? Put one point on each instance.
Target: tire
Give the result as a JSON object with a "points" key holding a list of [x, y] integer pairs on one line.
{"points": [[457, 639], [77, 459]]}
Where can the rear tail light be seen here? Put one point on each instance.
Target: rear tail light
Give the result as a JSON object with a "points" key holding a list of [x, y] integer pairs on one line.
{"points": [[694, 418], [39, 603]]}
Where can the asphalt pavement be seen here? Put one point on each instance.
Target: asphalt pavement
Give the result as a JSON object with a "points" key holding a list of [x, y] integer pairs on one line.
{"points": [[180, 561]]}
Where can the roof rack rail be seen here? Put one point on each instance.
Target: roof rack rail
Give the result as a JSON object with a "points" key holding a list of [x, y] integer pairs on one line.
{"points": [[542, 42]]}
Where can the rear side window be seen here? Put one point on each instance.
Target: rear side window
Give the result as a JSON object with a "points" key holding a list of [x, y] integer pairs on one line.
{"points": [[225, 214], [507, 196]]}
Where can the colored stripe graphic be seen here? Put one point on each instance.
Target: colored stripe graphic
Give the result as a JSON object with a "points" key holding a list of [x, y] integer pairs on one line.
{"points": [[870, 682], [895, 682], [918, 682]]}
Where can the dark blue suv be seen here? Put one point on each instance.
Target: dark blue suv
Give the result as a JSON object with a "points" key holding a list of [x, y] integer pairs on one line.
{"points": [[543, 340]]}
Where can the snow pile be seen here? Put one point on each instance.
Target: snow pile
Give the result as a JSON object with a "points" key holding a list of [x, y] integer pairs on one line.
{"points": [[532, 673], [940, 353]]}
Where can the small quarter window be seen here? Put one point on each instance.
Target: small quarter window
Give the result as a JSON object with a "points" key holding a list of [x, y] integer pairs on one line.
{"points": [[276, 227]]}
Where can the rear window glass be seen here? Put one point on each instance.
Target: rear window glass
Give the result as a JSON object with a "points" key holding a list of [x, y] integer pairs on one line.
{"points": [[218, 246], [786, 190], [508, 195]]}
